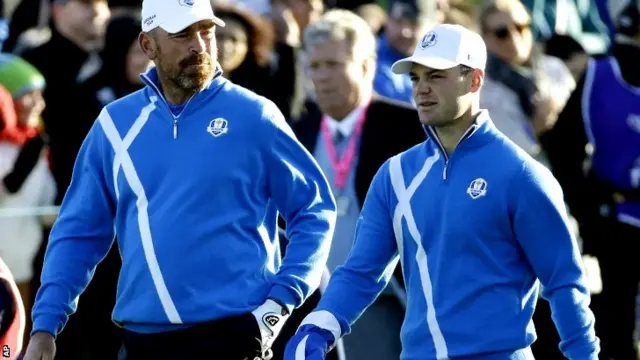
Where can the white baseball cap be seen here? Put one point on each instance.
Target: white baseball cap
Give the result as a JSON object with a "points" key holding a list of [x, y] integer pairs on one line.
{"points": [[176, 15], [446, 46]]}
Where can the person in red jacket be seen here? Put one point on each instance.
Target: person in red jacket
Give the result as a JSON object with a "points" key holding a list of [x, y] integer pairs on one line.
{"points": [[12, 317]]}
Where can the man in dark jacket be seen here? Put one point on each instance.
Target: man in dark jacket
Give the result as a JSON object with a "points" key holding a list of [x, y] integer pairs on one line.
{"points": [[351, 132], [65, 61]]}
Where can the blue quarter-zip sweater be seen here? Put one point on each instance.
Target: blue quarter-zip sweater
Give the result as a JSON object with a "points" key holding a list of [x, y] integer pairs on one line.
{"points": [[474, 232], [193, 200]]}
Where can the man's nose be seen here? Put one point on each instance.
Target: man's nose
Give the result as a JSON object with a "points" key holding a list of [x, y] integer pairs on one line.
{"points": [[198, 44], [423, 86]]}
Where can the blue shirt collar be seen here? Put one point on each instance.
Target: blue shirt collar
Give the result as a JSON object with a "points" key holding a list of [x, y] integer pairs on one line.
{"points": [[473, 137]]}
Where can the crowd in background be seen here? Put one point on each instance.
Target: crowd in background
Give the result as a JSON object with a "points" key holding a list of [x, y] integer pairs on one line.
{"points": [[555, 68]]}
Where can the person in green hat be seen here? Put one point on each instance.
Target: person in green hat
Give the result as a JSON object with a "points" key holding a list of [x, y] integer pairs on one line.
{"points": [[26, 84], [25, 178]]}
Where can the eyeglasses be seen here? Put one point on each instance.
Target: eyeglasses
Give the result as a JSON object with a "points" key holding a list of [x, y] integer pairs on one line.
{"points": [[504, 32]]}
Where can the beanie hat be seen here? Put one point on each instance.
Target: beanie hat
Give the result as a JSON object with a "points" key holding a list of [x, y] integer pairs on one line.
{"points": [[18, 76]]}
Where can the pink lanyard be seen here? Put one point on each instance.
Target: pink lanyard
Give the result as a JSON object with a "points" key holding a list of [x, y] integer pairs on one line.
{"points": [[342, 165]]}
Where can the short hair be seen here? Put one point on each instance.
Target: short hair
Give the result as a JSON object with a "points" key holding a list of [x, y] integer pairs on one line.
{"points": [[341, 25]]}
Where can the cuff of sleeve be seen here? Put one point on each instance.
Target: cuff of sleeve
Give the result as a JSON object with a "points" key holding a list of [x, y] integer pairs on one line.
{"points": [[45, 323], [326, 321], [284, 297]]}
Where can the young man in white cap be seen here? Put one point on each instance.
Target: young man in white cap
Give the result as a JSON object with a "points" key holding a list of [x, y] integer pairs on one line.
{"points": [[189, 174], [475, 222]]}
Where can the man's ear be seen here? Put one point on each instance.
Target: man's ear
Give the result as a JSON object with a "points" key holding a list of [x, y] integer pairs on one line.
{"points": [[369, 68], [147, 44], [477, 78]]}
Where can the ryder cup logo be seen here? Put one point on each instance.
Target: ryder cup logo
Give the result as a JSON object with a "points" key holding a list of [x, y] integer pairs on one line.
{"points": [[428, 40], [187, 3], [477, 188], [218, 127]]}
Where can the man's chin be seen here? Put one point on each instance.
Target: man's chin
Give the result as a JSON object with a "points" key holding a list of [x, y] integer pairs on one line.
{"points": [[196, 81]]}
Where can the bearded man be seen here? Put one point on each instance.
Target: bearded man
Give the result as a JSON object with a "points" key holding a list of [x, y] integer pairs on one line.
{"points": [[189, 174]]}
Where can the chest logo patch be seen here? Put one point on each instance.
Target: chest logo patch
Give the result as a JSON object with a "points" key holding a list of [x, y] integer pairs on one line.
{"points": [[217, 127], [477, 188]]}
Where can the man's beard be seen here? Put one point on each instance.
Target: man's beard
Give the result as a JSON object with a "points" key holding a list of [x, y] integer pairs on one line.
{"points": [[192, 73]]}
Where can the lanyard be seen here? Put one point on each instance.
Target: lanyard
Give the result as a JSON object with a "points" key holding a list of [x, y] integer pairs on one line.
{"points": [[342, 165]]}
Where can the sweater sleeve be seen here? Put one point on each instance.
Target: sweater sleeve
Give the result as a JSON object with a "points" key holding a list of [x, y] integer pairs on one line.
{"points": [[79, 240], [303, 197], [541, 227]]}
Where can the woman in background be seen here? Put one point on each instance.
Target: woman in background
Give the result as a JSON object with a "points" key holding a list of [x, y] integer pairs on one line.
{"points": [[27, 181], [250, 56]]}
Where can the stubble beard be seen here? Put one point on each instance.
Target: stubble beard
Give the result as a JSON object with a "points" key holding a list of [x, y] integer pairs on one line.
{"points": [[191, 82]]}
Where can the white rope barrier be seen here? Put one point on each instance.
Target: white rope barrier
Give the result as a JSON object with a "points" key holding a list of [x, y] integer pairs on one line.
{"points": [[29, 211]]}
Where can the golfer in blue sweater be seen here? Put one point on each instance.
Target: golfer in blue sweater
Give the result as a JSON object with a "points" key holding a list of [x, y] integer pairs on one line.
{"points": [[189, 174], [476, 223]]}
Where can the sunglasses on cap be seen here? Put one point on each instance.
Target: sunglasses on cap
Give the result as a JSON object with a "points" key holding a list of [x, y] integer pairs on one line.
{"points": [[503, 32]]}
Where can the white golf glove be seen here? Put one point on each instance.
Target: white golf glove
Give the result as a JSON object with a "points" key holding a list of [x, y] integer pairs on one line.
{"points": [[271, 317]]}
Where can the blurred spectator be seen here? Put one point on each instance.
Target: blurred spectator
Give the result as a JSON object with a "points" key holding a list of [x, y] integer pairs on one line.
{"points": [[407, 21], [578, 18], [28, 14], [374, 15], [594, 150], [122, 63], [290, 18], [568, 50], [460, 13], [65, 60], [524, 89], [26, 179], [251, 56], [348, 125], [304, 12], [12, 315]]}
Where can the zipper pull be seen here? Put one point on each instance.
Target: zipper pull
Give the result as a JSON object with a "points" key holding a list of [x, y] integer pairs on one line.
{"points": [[175, 128], [444, 172]]}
